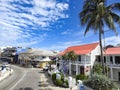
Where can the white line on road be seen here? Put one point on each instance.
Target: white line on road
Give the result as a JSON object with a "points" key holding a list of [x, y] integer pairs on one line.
{"points": [[18, 81]]}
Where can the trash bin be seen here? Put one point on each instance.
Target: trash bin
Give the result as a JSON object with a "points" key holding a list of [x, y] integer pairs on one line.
{"points": [[80, 85]]}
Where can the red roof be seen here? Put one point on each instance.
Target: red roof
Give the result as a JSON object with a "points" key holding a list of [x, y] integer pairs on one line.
{"points": [[114, 50], [81, 49]]}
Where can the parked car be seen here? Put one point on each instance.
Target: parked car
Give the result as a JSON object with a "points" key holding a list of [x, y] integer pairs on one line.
{"points": [[5, 64], [45, 68]]}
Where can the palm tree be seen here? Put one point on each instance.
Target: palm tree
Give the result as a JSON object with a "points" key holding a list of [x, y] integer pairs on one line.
{"points": [[95, 15]]}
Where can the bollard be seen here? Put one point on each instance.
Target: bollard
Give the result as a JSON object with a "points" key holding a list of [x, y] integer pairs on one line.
{"points": [[70, 82]]}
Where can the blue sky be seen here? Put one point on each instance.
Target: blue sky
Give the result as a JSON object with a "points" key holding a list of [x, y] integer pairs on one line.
{"points": [[46, 24]]}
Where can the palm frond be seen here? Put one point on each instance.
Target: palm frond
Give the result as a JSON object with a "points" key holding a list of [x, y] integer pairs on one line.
{"points": [[86, 11], [93, 3], [109, 20], [85, 19], [115, 6], [89, 26], [115, 17]]}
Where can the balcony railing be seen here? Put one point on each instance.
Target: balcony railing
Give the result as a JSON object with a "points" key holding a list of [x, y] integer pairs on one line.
{"points": [[82, 62], [115, 64]]}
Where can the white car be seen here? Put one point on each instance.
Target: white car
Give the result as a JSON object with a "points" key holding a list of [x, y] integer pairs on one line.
{"points": [[45, 68], [6, 64]]}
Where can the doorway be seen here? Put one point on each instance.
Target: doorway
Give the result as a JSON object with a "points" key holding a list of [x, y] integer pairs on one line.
{"points": [[118, 76]]}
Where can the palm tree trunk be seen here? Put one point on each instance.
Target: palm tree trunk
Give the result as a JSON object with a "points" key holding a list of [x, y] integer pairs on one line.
{"points": [[101, 49]]}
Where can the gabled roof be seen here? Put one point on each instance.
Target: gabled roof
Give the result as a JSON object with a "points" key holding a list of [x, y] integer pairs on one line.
{"points": [[81, 49], [112, 51]]}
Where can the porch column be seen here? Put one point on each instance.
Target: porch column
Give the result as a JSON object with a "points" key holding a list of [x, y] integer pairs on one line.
{"points": [[85, 60], [69, 68], [76, 68], [113, 60], [111, 73]]}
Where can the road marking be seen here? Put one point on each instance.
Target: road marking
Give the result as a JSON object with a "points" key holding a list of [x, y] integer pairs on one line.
{"points": [[18, 81]]}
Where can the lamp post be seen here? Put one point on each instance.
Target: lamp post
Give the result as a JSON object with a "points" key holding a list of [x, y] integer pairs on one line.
{"points": [[90, 66]]}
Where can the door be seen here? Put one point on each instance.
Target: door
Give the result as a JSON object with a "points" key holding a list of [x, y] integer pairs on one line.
{"points": [[118, 76], [82, 70]]}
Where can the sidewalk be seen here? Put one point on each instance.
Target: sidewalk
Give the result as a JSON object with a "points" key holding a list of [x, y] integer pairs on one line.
{"points": [[6, 74], [47, 84]]}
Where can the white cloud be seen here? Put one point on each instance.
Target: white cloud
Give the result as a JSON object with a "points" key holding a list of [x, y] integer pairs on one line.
{"points": [[64, 45], [66, 32], [17, 17], [113, 40]]}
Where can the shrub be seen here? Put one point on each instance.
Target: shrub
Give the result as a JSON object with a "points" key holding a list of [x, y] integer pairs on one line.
{"points": [[66, 81], [65, 84], [100, 82], [62, 76], [54, 76], [59, 82], [81, 77]]}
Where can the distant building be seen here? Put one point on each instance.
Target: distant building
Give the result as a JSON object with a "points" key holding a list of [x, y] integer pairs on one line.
{"points": [[9, 54], [35, 57]]}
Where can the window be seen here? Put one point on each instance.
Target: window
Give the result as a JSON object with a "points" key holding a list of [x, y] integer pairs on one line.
{"points": [[111, 60], [104, 59], [79, 58], [117, 59]]}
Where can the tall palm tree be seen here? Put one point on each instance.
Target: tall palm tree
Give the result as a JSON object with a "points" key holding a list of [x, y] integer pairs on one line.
{"points": [[95, 15]]}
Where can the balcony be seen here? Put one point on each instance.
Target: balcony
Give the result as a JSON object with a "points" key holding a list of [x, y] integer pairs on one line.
{"points": [[82, 62], [118, 65]]}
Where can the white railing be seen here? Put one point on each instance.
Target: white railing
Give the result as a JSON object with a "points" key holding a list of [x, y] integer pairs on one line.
{"points": [[82, 62], [115, 65]]}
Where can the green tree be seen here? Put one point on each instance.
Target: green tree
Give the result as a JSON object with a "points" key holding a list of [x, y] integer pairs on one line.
{"points": [[97, 69], [70, 56], [95, 15]]}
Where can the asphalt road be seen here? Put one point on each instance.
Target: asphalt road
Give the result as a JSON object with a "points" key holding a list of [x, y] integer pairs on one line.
{"points": [[10, 81], [22, 79], [30, 80]]}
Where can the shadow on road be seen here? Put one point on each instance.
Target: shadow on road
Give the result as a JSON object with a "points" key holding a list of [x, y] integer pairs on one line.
{"points": [[26, 88]]}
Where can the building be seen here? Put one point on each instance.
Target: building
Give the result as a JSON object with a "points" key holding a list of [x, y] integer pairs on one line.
{"points": [[113, 61], [35, 57], [8, 54], [86, 56]]}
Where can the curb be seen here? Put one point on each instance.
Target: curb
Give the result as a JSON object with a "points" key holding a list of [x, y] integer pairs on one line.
{"points": [[7, 74]]}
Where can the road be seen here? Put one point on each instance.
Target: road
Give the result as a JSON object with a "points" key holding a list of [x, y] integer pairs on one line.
{"points": [[7, 83], [22, 79], [30, 81]]}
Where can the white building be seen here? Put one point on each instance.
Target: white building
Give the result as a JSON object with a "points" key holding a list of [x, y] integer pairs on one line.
{"points": [[113, 61], [86, 57]]}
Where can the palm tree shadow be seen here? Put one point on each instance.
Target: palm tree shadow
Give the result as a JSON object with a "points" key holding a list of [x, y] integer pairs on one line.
{"points": [[26, 88]]}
